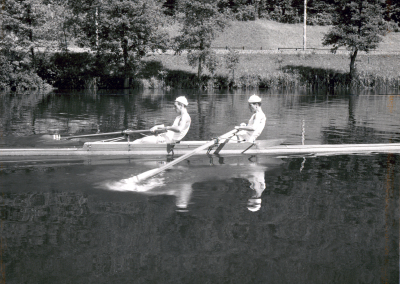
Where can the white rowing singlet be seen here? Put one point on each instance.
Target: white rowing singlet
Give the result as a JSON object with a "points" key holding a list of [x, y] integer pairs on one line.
{"points": [[178, 136]]}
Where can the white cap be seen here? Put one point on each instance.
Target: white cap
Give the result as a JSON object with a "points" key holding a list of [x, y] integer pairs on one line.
{"points": [[254, 99], [182, 100]]}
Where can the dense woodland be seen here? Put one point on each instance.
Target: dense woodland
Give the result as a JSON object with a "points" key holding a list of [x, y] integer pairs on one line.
{"points": [[37, 35]]}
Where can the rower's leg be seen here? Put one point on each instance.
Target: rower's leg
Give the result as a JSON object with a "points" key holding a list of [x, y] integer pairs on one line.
{"points": [[146, 140], [170, 148]]}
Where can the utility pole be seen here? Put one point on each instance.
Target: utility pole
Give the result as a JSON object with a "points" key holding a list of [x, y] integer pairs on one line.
{"points": [[256, 7], [97, 28], [96, 23], [305, 26]]}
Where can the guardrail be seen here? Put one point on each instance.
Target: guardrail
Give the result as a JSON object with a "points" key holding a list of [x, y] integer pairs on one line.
{"points": [[279, 48], [341, 50]]}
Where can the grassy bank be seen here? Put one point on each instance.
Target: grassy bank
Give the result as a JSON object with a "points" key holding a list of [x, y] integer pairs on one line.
{"points": [[287, 68], [274, 35], [283, 70]]}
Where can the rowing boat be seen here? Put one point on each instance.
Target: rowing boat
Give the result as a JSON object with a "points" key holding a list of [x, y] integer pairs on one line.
{"points": [[263, 147], [131, 149]]}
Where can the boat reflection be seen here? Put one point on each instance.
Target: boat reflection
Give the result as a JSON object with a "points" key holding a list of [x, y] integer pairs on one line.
{"points": [[179, 181]]}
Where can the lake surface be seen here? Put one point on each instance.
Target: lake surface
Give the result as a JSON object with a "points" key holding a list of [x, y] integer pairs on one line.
{"points": [[262, 219]]}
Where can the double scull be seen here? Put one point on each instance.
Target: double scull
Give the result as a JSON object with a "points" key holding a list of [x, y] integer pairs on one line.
{"points": [[260, 147]]}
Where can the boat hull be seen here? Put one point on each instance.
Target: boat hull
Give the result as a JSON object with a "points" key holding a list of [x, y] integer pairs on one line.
{"points": [[264, 147], [130, 149]]}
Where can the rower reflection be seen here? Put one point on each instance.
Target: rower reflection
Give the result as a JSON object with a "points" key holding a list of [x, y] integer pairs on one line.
{"points": [[257, 182]]}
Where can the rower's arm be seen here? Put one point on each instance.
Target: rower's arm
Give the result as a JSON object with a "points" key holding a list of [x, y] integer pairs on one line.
{"points": [[181, 126], [246, 128]]}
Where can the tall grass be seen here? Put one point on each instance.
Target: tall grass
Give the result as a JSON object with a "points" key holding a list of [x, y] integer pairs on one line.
{"points": [[366, 80]]}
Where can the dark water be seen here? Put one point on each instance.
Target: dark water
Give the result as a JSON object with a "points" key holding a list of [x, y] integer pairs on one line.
{"points": [[264, 219]]}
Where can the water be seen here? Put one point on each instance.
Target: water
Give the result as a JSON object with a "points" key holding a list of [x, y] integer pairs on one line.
{"points": [[264, 219]]}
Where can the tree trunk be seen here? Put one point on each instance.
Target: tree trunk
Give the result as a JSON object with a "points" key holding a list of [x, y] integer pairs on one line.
{"points": [[125, 54], [30, 37], [33, 58], [199, 69], [353, 70]]}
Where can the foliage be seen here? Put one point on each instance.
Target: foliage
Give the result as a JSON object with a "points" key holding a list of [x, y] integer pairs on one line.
{"points": [[29, 25], [245, 13], [357, 25], [200, 21], [13, 76], [232, 60], [320, 19], [392, 11], [169, 7], [126, 28], [207, 56]]}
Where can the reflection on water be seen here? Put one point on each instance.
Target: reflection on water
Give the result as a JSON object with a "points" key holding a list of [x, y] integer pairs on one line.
{"points": [[245, 219], [249, 168], [336, 221]]}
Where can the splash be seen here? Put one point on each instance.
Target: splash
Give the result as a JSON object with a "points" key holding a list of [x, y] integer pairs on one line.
{"points": [[130, 184]]}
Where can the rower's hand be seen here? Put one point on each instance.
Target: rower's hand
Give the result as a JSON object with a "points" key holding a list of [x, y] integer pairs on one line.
{"points": [[240, 126], [158, 128]]}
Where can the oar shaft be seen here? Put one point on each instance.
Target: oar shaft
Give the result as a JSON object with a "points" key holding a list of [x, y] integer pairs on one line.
{"points": [[94, 135], [108, 133], [154, 172]]}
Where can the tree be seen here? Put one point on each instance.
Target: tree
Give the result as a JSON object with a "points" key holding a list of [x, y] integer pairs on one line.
{"points": [[392, 11], [358, 25], [26, 25], [127, 28], [232, 60], [200, 21]]}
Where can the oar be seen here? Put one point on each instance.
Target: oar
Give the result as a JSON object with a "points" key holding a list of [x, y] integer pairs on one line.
{"points": [[154, 172], [58, 137]]}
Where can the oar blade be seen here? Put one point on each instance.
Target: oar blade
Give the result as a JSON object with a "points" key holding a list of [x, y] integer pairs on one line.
{"points": [[145, 175]]}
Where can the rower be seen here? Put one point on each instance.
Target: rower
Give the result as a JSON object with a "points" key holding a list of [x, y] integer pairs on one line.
{"points": [[253, 129], [174, 133]]}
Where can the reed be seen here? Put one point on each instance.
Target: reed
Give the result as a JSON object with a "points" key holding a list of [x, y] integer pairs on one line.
{"points": [[287, 79]]}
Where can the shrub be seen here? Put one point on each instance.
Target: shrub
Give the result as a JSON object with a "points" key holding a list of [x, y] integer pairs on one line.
{"points": [[222, 82], [245, 13], [320, 19]]}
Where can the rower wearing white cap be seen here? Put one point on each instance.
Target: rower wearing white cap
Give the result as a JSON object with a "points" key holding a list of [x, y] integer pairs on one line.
{"points": [[249, 132], [176, 131]]}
